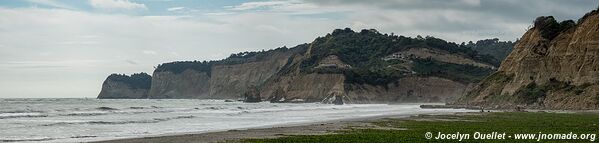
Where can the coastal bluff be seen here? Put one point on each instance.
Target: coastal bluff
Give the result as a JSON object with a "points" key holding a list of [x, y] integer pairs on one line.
{"points": [[555, 65], [345, 65]]}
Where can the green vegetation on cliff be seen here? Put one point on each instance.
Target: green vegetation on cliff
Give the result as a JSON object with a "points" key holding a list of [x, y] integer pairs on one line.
{"points": [[364, 52], [245, 57], [180, 66], [532, 92], [498, 49], [239, 58], [136, 81], [456, 72], [550, 28]]}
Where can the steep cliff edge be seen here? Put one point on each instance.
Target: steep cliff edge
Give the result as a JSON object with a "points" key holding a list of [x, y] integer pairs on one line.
{"points": [[185, 85], [343, 66], [553, 66], [225, 79], [118, 86]]}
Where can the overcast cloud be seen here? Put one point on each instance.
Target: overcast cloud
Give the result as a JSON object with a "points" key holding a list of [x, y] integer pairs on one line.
{"points": [[63, 48]]}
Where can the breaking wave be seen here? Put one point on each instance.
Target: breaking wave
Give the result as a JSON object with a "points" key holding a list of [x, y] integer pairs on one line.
{"points": [[154, 120]]}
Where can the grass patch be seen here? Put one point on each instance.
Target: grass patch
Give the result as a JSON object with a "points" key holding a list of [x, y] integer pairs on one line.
{"points": [[509, 123]]}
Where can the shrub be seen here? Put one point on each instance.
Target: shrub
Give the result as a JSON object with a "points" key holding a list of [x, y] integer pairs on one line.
{"points": [[364, 51], [136, 81], [550, 28]]}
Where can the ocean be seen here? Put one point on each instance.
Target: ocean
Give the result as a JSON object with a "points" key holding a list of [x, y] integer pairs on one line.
{"points": [[81, 120]]}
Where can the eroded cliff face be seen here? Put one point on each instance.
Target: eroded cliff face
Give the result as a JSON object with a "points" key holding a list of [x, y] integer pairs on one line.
{"points": [[119, 90], [557, 73], [409, 90], [186, 85], [295, 85], [304, 87], [224, 81], [230, 81], [118, 86]]}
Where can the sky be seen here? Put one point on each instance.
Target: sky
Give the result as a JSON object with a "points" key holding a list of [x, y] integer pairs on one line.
{"points": [[66, 48]]}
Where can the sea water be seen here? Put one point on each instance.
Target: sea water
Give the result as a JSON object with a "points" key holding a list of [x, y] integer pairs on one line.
{"points": [[76, 120]]}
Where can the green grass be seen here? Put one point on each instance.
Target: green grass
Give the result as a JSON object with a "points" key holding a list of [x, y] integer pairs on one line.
{"points": [[508, 122]]}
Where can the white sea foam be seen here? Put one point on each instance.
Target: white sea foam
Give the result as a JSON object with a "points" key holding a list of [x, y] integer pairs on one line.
{"points": [[76, 120]]}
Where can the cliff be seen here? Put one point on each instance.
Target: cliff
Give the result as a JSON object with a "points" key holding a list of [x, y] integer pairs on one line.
{"points": [[343, 66], [226, 79], [118, 86], [369, 67], [553, 66]]}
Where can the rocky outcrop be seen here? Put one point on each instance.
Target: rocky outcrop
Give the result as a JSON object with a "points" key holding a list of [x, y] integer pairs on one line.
{"points": [[553, 66], [118, 86], [252, 95]]}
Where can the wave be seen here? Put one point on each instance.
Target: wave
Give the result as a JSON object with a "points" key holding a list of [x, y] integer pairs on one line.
{"points": [[214, 108], [79, 137], [84, 114], [106, 108], [89, 112], [21, 115], [21, 111], [26, 140], [154, 120], [137, 107], [140, 110]]}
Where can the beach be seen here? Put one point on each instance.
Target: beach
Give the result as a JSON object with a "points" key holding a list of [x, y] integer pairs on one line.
{"points": [[319, 128], [494, 126], [87, 120]]}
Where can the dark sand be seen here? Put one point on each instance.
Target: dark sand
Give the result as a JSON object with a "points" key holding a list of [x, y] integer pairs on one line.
{"points": [[268, 132]]}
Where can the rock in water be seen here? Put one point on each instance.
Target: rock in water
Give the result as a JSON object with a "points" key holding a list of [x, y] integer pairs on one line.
{"points": [[278, 96], [252, 96], [338, 100]]}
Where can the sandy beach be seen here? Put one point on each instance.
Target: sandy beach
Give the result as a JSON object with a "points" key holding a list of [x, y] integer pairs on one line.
{"points": [[319, 128]]}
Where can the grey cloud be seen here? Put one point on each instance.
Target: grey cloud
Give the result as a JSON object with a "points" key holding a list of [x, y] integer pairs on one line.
{"points": [[516, 10], [458, 20], [132, 62], [73, 38]]}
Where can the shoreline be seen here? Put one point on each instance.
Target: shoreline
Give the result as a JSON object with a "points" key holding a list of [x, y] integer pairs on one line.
{"points": [[271, 131]]}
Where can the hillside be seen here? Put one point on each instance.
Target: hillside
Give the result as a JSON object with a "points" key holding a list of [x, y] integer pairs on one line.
{"points": [[360, 67], [555, 65], [498, 49]]}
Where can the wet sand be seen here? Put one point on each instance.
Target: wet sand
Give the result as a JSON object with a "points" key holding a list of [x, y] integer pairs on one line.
{"points": [[321, 128]]}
